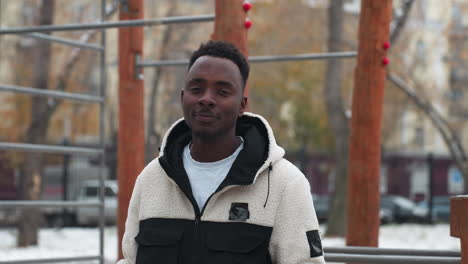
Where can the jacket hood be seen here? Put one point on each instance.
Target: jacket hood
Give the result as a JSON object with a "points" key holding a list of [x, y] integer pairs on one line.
{"points": [[259, 152]]}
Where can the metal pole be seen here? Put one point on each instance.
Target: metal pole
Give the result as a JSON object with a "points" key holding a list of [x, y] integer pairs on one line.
{"points": [[392, 251], [69, 42], [106, 25], [365, 146], [50, 149], [102, 143], [259, 59], [51, 93], [45, 261], [430, 164], [372, 259], [35, 203], [66, 163]]}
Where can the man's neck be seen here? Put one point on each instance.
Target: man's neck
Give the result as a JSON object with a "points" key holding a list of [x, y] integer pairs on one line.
{"points": [[212, 150]]}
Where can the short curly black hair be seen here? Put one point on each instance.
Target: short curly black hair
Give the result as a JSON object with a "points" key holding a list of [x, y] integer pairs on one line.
{"points": [[225, 50]]}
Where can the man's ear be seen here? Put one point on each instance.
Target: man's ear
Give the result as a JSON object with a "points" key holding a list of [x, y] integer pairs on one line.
{"points": [[182, 96], [243, 106]]}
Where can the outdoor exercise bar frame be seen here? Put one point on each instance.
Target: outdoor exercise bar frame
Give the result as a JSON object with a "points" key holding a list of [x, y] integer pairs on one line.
{"points": [[345, 254], [68, 150]]}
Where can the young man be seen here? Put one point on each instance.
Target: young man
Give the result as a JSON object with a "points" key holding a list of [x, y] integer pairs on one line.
{"points": [[220, 191]]}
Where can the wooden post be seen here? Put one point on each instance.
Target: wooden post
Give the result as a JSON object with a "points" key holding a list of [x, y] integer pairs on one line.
{"points": [[364, 154], [229, 25], [131, 134], [459, 223]]}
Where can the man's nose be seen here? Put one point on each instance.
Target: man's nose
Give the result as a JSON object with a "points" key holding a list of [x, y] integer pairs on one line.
{"points": [[207, 99]]}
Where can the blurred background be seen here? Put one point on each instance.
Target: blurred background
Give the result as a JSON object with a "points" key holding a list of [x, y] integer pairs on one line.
{"points": [[425, 122]]}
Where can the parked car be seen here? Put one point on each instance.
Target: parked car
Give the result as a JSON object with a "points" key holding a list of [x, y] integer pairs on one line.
{"points": [[400, 208], [440, 209], [80, 170], [89, 191], [322, 206], [386, 216]]}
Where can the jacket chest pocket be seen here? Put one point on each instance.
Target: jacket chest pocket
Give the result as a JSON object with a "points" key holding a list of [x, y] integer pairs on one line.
{"points": [[158, 246], [237, 248]]}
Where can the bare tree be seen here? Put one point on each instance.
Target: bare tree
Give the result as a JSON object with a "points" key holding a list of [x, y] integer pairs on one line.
{"points": [[41, 113], [152, 137], [337, 120], [441, 123], [449, 135], [30, 181]]}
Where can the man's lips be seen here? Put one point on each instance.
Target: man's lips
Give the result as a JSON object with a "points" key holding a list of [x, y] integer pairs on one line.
{"points": [[204, 116]]}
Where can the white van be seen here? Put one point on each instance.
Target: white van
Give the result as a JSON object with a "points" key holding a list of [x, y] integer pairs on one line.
{"points": [[89, 191]]}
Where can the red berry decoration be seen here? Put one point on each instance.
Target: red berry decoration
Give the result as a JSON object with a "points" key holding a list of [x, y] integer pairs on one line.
{"points": [[248, 23], [386, 45], [247, 6], [385, 61]]}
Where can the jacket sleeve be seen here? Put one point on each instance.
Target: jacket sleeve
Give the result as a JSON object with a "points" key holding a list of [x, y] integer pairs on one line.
{"points": [[295, 238], [129, 245]]}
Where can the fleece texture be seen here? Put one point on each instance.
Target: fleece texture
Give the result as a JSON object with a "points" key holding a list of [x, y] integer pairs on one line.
{"points": [[280, 211]]}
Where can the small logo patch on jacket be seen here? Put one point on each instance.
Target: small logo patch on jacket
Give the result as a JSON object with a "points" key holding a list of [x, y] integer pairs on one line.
{"points": [[239, 212], [314, 243]]}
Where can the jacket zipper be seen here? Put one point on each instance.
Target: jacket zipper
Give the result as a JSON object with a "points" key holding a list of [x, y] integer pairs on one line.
{"points": [[198, 214]]}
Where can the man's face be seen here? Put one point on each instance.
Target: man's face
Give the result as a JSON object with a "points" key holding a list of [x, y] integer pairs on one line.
{"points": [[212, 98]]}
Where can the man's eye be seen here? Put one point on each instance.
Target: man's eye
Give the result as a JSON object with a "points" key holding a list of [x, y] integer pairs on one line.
{"points": [[224, 92], [195, 89]]}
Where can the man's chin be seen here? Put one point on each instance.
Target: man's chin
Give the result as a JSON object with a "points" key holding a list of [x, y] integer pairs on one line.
{"points": [[206, 134]]}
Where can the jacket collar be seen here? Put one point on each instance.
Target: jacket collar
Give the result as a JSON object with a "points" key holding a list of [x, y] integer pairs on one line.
{"points": [[260, 150]]}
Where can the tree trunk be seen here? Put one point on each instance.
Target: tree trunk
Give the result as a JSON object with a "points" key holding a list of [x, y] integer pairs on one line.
{"points": [[30, 182], [337, 121], [152, 137]]}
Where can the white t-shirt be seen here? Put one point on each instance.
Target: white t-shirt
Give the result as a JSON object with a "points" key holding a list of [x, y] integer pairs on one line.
{"points": [[205, 177]]}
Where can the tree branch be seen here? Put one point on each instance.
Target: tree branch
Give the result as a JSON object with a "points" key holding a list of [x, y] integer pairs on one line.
{"points": [[64, 76], [449, 136], [400, 23]]}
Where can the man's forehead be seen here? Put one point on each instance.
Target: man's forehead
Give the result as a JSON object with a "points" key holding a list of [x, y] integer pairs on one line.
{"points": [[216, 65], [208, 59]]}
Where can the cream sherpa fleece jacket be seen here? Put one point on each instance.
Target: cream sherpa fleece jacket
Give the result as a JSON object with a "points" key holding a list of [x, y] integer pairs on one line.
{"points": [[262, 212]]}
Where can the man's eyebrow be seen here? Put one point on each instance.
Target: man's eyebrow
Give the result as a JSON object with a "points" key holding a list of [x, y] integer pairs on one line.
{"points": [[196, 80], [225, 83]]}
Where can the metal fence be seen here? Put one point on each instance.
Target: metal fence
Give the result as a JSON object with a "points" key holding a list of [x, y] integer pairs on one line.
{"points": [[84, 98]]}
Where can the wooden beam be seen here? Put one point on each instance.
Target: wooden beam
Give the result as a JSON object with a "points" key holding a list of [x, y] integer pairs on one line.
{"points": [[459, 223], [131, 106], [364, 155], [229, 25]]}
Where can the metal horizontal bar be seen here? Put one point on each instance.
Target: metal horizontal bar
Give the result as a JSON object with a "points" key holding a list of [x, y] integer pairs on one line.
{"points": [[392, 251], [307, 56], [69, 42], [181, 62], [114, 24], [259, 59], [50, 148], [383, 259], [16, 204], [53, 260], [51, 93]]}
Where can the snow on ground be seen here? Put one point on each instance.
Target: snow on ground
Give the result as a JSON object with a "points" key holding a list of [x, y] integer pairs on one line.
{"points": [[69, 242]]}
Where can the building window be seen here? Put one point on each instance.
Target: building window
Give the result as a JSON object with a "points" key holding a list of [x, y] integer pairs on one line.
{"points": [[419, 137]]}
